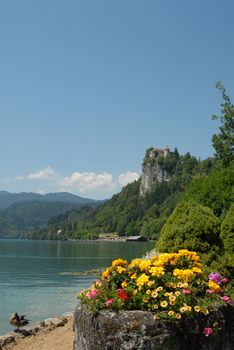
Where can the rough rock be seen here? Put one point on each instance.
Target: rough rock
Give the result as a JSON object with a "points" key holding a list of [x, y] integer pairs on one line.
{"points": [[138, 330], [54, 321], [149, 175]]}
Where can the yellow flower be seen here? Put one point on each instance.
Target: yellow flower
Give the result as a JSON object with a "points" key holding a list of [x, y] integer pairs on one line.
{"points": [[144, 264], [135, 292], [167, 294], [150, 283], [148, 291], [183, 274], [192, 255], [171, 313], [106, 273], [157, 271], [183, 309], [120, 269], [197, 270], [154, 294], [177, 293], [134, 276], [145, 300], [180, 285], [155, 306], [134, 263], [120, 262], [159, 289], [172, 302], [178, 316], [164, 303], [172, 298], [197, 308], [124, 284], [205, 312], [143, 279], [213, 285]]}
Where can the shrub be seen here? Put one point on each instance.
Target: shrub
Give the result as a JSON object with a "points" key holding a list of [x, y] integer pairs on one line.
{"points": [[227, 231], [191, 226]]}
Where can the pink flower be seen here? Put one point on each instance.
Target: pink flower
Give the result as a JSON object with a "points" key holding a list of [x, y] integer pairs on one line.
{"points": [[210, 291], [186, 291], [109, 301], [92, 293], [207, 331], [226, 298], [225, 280]]}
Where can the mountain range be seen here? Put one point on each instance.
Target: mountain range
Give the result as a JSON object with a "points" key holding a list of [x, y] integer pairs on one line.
{"points": [[7, 198], [22, 212]]}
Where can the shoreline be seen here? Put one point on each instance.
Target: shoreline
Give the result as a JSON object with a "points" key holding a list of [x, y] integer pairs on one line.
{"points": [[48, 334]]}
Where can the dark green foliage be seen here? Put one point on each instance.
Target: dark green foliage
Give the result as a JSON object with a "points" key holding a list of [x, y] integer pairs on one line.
{"points": [[227, 231], [191, 226], [215, 191], [223, 142]]}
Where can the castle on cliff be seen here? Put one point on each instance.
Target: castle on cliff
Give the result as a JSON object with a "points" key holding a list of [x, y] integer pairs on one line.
{"points": [[160, 151]]}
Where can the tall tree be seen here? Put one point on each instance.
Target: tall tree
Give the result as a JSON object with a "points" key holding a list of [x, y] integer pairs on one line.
{"points": [[223, 142]]}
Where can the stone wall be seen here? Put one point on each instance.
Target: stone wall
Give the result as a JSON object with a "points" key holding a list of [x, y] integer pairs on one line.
{"points": [[138, 330]]}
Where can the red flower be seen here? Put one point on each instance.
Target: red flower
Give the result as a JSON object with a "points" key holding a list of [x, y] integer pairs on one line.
{"points": [[122, 294]]}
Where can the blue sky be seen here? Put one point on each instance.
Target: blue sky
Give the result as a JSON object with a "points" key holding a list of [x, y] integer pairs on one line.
{"points": [[86, 86]]}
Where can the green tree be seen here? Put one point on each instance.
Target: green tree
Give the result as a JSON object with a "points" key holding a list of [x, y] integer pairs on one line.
{"points": [[227, 231], [215, 191], [223, 142], [191, 226]]}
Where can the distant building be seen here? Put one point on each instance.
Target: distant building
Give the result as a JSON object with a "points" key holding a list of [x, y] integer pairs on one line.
{"points": [[161, 151]]}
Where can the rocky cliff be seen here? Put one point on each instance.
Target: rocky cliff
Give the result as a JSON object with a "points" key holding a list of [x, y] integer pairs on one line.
{"points": [[153, 170]]}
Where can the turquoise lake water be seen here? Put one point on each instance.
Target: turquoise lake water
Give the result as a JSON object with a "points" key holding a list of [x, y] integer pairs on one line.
{"points": [[36, 276]]}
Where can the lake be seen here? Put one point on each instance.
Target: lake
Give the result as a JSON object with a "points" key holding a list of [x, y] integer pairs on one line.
{"points": [[36, 277]]}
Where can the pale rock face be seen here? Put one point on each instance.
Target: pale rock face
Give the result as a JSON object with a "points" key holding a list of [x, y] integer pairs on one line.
{"points": [[150, 174]]}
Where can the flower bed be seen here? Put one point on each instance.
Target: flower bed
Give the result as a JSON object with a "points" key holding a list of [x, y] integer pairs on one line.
{"points": [[170, 285]]}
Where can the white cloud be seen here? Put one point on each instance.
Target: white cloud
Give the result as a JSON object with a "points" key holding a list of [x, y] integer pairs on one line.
{"points": [[88, 181], [19, 178], [77, 182], [127, 178], [44, 174]]}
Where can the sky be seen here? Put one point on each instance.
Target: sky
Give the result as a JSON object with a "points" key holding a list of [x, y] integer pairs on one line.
{"points": [[86, 86]]}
